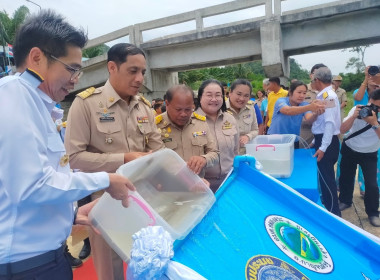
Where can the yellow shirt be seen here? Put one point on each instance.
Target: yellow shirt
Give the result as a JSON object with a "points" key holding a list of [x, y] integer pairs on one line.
{"points": [[272, 98]]}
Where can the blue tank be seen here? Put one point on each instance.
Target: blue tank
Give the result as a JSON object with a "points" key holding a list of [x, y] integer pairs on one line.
{"points": [[259, 228]]}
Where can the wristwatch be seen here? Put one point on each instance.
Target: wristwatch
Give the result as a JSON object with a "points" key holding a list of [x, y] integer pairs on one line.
{"points": [[375, 126]]}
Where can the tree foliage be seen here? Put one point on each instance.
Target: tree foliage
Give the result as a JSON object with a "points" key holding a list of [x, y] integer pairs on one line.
{"points": [[95, 51], [252, 71], [9, 25]]}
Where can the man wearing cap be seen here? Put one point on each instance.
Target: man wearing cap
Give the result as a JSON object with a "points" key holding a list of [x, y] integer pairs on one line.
{"points": [[341, 93]]}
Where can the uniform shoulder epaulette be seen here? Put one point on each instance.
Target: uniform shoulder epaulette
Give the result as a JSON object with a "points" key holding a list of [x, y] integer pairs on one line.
{"points": [[199, 117], [64, 124], [144, 100], [158, 119], [86, 93], [325, 95], [250, 102]]}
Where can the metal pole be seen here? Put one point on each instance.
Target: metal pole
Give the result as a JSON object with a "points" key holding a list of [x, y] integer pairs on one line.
{"points": [[34, 4]]}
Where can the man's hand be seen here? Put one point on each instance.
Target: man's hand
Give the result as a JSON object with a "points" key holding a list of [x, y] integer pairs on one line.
{"points": [[196, 163], [134, 155], [356, 112], [316, 106], [82, 215], [372, 120], [319, 154], [119, 187], [243, 140]]}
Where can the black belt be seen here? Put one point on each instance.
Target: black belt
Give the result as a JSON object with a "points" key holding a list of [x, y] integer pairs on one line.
{"points": [[33, 262]]}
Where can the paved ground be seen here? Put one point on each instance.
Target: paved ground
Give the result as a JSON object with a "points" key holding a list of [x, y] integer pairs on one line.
{"points": [[357, 216]]}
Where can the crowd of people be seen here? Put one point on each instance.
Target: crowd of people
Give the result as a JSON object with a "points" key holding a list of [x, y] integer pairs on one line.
{"points": [[112, 125]]}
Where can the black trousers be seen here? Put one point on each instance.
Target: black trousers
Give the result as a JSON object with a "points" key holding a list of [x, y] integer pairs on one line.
{"points": [[57, 269], [326, 175], [368, 163]]}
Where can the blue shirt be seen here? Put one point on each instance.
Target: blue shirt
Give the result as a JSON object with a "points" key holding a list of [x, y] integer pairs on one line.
{"points": [[258, 114], [285, 124], [264, 105], [37, 189], [364, 100]]}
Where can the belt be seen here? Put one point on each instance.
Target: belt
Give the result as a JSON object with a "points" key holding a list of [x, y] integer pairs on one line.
{"points": [[30, 263]]}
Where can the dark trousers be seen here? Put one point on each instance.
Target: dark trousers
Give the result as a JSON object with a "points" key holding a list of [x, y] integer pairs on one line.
{"points": [[326, 175], [58, 269], [368, 163]]}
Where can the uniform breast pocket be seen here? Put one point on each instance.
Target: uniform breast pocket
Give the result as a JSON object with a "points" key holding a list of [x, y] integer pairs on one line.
{"points": [[198, 145], [56, 150], [108, 128], [229, 136], [144, 128], [247, 123], [171, 145]]}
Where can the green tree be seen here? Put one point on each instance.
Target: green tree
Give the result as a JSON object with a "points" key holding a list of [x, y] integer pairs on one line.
{"points": [[9, 25], [357, 63], [95, 51], [297, 72]]}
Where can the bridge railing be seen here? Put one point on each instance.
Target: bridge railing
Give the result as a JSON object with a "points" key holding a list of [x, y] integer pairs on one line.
{"points": [[135, 31]]}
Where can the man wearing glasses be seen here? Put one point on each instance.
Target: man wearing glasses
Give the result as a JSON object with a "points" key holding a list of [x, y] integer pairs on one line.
{"points": [[326, 129], [37, 189]]}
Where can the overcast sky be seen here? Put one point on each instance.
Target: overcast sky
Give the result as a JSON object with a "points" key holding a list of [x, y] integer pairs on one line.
{"points": [[100, 17]]}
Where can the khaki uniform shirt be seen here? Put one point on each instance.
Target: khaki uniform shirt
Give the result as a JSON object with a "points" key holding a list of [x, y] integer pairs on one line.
{"points": [[306, 133], [246, 121], [226, 135], [102, 127], [342, 97], [194, 139]]}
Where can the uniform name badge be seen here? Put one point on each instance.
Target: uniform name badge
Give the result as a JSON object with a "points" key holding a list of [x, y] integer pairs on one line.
{"points": [[199, 133], [106, 116], [247, 116]]}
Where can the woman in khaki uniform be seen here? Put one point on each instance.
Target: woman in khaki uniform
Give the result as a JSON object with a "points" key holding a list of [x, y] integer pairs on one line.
{"points": [[239, 106], [223, 128]]}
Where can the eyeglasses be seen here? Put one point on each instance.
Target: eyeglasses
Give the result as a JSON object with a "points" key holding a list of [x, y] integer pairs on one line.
{"points": [[75, 73]]}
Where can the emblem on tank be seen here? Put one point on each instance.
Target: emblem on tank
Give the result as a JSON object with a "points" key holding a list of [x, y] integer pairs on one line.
{"points": [[298, 244]]}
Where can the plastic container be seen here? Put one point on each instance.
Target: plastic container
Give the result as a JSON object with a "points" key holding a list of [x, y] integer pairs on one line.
{"points": [[275, 153], [168, 194]]}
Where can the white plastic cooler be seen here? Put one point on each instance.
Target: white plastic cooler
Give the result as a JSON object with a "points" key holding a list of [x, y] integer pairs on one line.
{"points": [[168, 194], [275, 153]]}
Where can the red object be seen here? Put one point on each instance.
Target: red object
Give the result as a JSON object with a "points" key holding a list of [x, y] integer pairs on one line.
{"points": [[87, 271]]}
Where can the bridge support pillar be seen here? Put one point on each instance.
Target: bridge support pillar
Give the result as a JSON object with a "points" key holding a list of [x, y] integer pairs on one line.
{"points": [[274, 62], [159, 81]]}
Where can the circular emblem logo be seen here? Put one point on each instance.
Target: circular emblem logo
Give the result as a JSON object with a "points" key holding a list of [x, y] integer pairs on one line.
{"points": [[298, 244], [262, 267]]}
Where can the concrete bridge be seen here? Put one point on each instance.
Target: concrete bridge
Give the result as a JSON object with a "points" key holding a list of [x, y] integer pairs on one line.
{"points": [[271, 38]]}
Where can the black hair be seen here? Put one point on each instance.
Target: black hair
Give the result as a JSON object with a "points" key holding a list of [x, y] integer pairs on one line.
{"points": [[375, 95], [241, 82], [224, 84], [202, 88], [48, 31], [157, 105], [119, 52], [316, 66], [275, 80], [170, 92], [295, 85]]}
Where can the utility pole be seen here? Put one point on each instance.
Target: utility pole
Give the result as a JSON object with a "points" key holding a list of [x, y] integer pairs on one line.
{"points": [[34, 4]]}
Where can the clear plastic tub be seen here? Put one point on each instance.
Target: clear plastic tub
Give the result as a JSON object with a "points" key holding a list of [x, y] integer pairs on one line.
{"points": [[168, 194], [275, 153]]}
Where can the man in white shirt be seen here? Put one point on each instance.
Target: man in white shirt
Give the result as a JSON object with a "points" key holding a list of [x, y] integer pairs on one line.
{"points": [[37, 189], [360, 147], [326, 129]]}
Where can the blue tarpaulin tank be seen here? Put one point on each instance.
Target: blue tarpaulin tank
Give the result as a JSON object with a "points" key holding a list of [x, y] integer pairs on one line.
{"points": [[260, 228]]}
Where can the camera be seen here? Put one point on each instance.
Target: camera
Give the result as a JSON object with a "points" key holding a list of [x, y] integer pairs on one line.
{"points": [[367, 110], [373, 70]]}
